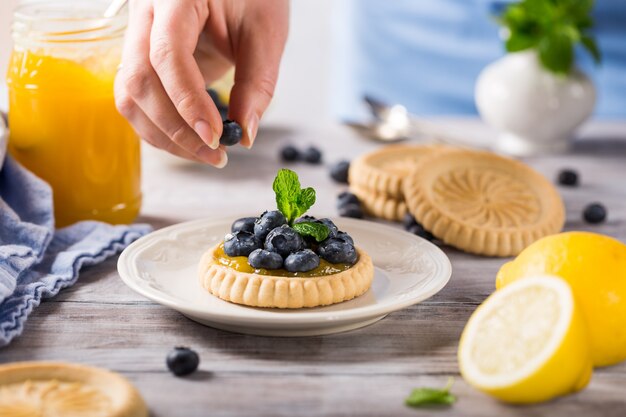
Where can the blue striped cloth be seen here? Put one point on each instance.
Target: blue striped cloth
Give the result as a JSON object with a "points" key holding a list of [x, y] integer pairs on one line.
{"points": [[37, 261], [427, 54]]}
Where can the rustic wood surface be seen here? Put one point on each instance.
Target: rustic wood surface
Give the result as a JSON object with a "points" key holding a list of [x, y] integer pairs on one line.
{"points": [[367, 372]]}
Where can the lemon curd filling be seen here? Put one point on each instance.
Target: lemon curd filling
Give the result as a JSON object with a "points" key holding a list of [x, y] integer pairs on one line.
{"points": [[240, 264]]}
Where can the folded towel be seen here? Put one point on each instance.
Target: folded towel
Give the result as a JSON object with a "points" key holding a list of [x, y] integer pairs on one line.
{"points": [[37, 261]]}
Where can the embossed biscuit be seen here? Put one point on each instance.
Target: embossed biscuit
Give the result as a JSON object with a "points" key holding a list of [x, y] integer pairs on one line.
{"points": [[380, 204], [483, 203]]}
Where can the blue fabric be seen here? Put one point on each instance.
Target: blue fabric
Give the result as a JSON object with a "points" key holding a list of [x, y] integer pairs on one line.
{"points": [[427, 54], [37, 261]]}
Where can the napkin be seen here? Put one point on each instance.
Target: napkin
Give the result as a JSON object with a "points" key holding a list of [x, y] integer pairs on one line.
{"points": [[37, 261]]}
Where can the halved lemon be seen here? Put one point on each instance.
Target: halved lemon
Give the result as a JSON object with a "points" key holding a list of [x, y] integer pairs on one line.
{"points": [[527, 343]]}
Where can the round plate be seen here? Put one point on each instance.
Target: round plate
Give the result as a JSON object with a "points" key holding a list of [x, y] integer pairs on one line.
{"points": [[162, 266]]}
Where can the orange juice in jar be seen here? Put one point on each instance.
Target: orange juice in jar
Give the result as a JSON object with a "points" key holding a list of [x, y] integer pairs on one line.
{"points": [[63, 122]]}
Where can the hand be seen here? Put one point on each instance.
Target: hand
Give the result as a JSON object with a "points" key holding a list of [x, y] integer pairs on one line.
{"points": [[174, 48]]}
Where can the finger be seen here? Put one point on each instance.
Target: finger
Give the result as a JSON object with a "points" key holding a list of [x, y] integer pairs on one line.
{"points": [[173, 39], [259, 49], [138, 79]]}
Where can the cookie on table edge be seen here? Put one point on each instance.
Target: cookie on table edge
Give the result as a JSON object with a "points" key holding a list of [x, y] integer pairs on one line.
{"points": [[379, 204]]}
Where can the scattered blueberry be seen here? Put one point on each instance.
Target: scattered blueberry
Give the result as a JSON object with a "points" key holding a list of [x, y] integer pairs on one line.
{"points": [[289, 153], [245, 223], [337, 251], [351, 210], [240, 243], [568, 177], [231, 133], [305, 218], [594, 213], [312, 155], [339, 171], [347, 198], [408, 220], [269, 220], [261, 258], [302, 261], [284, 240], [182, 361], [418, 229]]}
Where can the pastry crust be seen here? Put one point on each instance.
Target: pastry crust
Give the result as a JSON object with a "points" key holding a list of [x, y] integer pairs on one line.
{"points": [[384, 170], [379, 204], [55, 388], [483, 203], [284, 292]]}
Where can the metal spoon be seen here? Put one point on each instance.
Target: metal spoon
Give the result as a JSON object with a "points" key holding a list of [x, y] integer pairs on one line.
{"points": [[114, 8]]}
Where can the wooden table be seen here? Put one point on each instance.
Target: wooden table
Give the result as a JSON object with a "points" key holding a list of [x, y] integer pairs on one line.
{"points": [[367, 372]]}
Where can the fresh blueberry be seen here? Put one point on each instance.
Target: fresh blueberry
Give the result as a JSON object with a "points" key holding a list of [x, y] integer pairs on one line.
{"points": [[351, 210], [240, 243], [408, 220], [261, 258], [337, 251], [418, 229], [305, 218], [345, 237], [245, 223], [568, 177], [347, 198], [594, 213], [312, 155], [302, 261], [333, 229], [284, 240], [182, 361], [223, 113], [339, 171], [289, 153], [268, 221], [231, 133], [215, 97]]}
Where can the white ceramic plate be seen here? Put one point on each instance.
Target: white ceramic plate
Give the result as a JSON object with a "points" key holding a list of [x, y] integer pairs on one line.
{"points": [[162, 267]]}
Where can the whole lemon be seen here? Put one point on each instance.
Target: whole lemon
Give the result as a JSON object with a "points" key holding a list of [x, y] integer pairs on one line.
{"points": [[595, 267]]}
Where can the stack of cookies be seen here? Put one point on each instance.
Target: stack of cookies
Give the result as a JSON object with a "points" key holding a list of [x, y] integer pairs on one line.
{"points": [[476, 201]]}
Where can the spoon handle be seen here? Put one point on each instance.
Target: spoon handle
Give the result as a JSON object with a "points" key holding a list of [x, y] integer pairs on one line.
{"points": [[114, 8]]}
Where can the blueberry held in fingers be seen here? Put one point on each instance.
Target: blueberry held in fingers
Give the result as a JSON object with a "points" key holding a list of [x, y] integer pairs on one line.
{"points": [[231, 133], [182, 361], [594, 213]]}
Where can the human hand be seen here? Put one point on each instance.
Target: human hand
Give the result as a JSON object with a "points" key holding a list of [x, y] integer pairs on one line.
{"points": [[174, 48]]}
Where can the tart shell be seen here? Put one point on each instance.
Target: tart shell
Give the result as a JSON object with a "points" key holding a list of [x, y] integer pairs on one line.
{"points": [[257, 290]]}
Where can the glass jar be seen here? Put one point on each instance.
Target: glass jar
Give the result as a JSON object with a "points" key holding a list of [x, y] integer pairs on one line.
{"points": [[63, 122]]}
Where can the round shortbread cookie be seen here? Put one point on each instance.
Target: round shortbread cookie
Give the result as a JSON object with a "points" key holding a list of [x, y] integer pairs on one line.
{"points": [[379, 204], [483, 203]]}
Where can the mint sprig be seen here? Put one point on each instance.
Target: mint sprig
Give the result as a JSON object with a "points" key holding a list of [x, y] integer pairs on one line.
{"points": [[422, 397], [553, 28], [294, 201]]}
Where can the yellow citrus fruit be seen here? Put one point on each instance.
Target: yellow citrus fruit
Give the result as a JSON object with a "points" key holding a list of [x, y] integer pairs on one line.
{"points": [[527, 343], [595, 267]]}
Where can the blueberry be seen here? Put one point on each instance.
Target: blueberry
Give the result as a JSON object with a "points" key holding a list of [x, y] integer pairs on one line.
{"points": [[302, 261], [418, 229], [337, 251], [231, 133], [312, 155], [347, 198], [284, 240], [289, 153], [594, 213], [408, 220], [305, 218], [182, 361], [223, 113], [568, 177], [240, 243], [331, 226], [261, 258], [245, 223], [268, 221], [351, 210], [339, 171], [345, 237], [215, 97]]}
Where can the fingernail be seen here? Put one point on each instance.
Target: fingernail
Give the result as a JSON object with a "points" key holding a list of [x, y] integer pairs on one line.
{"points": [[251, 131], [203, 129], [223, 160]]}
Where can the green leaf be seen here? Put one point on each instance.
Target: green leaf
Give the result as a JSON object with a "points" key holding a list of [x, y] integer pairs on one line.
{"points": [[421, 397], [556, 52], [318, 231], [590, 45], [305, 200], [287, 187], [519, 41]]}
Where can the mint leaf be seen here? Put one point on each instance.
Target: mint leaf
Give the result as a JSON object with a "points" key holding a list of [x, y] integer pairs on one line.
{"points": [[556, 52], [421, 397], [519, 42], [306, 199], [292, 201], [591, 46], [318, 231]]}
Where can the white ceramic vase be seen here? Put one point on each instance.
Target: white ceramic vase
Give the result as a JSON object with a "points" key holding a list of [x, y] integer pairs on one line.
{"points": [[535, 110]]}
